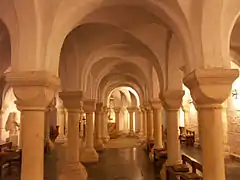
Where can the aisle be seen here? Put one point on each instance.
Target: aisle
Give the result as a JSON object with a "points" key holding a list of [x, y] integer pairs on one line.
{"points": [[122, 164]]}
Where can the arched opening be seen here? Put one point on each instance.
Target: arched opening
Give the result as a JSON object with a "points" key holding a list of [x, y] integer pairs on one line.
{"points": [[122, 98]]}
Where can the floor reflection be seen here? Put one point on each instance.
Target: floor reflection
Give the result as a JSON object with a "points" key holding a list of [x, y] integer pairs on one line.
{"points": [[122, 164]]}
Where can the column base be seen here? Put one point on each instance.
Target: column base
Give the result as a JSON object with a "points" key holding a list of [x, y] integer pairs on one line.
{"points": [[74, 171], [105, 139], [89, 155], [140, 135], [98, 145], [61, 139], [131, 134], [157, 147]]}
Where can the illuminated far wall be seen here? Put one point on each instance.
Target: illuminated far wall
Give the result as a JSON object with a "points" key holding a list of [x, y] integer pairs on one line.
{"points": [[8, 107]]}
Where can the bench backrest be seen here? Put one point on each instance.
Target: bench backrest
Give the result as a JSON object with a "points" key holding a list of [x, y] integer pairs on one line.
{"points": [[7, 145]]}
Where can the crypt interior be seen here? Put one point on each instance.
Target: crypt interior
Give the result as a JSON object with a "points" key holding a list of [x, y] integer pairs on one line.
{"points": [[119, 90]]}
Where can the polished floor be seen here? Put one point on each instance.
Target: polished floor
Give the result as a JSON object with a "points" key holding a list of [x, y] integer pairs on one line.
{"points": [[124, 160], [123, 164]]}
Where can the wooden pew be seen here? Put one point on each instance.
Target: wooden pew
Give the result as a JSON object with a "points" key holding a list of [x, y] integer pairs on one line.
{"points": [[194, 167], [190, 138], [8, 155]]}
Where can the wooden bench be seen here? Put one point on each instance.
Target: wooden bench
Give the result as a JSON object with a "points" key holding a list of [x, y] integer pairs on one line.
{"points": [[195, 166], [190, 138], [8, 156], [187, 136]]}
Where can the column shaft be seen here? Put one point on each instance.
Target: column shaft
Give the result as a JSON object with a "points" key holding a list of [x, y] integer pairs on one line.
{"points": [[141, 130], [117, 120], [89, 154], [150, 125], [145, 124], [73, 134], [158, 143], [211, 132], [61, 119], [98, 143], [173, 144], [33, 144], [131, 132]]}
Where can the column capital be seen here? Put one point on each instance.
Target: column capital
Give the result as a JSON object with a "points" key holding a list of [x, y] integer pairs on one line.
{"points": [[71, 100], [131, 109], [172, 99], [117, 109], [89, 106], [33, 89], [210, 86], [156, 104]]}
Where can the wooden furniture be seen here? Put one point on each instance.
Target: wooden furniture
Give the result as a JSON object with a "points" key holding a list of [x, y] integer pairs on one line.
{"points": [[190, 138], [187, 136], [8, 156], [160, 157], [150, 145], [195, 166], [174, 172]]}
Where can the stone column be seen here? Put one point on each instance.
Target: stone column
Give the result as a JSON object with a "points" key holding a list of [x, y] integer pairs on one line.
{"points": [[145, 122], [141, 129], [150, 134], [157, 110], [131, 110], [34, 91], [209, 89], [172, 100], [81, 129], [74, 169], [117, 118], [105, 137], [61, 123], [89, 154], [98, 143]]}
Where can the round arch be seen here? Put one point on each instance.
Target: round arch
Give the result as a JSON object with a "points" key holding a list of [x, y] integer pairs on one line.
{"points": [[114, 85], [106, 72], [66, 21], [119, 79]]}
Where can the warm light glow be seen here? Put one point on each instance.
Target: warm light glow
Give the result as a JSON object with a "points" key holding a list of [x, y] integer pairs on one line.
{"points": [[181, 118], [236, 89], [8, 107]]}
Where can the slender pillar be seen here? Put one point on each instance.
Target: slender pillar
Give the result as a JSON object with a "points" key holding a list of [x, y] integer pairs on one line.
{"points": [[117, 118], [209, 89], [34, 92], [131, 111], [150, 135], [81, 129], [89, 154], [105, 137], [157, 110], [172, 100], [141, 128], [145, 122], [74, 169], [61, 119], [98, 143]]}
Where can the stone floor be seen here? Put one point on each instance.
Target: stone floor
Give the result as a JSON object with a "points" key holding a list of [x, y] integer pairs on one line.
{"points": [[123, 164], [123, 160]]}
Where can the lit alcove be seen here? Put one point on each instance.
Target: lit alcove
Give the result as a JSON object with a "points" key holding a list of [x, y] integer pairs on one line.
{"points": [[10, 125], [123, 97]]}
